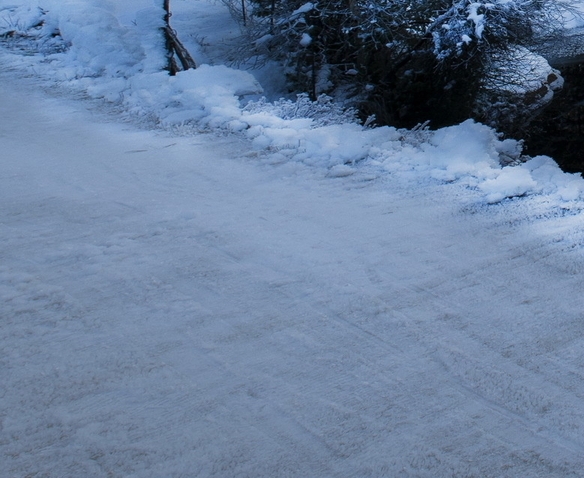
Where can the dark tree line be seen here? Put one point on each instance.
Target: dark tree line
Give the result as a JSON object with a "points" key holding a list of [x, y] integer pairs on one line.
{"points": [[408, 61]]}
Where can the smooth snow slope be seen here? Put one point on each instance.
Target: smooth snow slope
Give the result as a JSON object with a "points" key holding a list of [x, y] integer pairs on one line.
{"points": [[173, 307]]}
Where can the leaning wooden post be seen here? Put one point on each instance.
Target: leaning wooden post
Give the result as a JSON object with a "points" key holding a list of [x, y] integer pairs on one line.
{"points": [[186, 60], [173, 45]]}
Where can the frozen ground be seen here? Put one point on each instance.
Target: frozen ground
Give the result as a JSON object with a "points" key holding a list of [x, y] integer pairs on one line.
{"points": [[172, 307], [194, 305]]}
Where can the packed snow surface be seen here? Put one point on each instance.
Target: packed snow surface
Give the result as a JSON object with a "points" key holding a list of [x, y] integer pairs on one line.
{"points": [[200, 287]]}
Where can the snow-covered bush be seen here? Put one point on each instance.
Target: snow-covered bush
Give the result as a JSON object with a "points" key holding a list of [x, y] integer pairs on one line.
{"points": [[30, 29], [404, 61], [511, 97]]}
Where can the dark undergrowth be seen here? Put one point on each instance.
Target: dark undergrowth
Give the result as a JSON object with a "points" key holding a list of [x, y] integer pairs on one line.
{"points": [[559, 130]]}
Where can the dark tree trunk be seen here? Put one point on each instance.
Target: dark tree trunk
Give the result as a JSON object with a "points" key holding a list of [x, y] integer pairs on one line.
{"points": [[244, 13], [167, 10], [171, 65]]}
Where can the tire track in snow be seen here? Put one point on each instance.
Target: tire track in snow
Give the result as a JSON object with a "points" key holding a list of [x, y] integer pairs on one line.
{"points": [[535, 404], [411, 319]]}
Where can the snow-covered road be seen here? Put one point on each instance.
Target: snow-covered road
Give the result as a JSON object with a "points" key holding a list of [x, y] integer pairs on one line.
{"points": [[170, 306]]}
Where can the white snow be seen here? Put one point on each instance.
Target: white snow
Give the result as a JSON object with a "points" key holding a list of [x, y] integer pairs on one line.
{"points": [[305, 40], [300, 297], [307, 7], [476, 18]]}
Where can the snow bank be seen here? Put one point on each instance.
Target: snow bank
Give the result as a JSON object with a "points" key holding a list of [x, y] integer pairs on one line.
{"points": [[122, 63]]}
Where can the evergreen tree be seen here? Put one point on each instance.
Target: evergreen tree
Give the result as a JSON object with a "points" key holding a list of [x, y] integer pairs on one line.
{"points": [[406, 61]]}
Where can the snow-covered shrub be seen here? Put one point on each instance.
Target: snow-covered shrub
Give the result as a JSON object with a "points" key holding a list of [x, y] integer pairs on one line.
{"points": [[405, 61], [30, 29], [19, 20], [511, 97]]}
